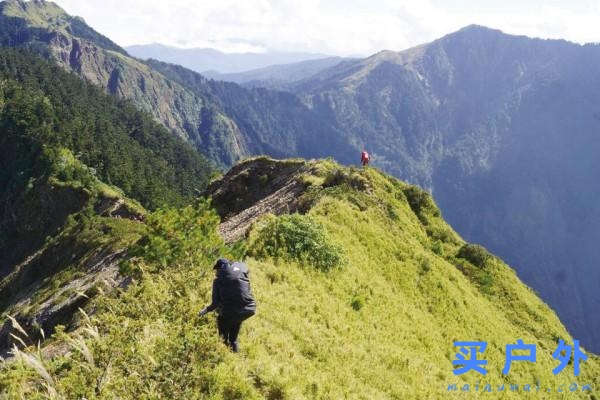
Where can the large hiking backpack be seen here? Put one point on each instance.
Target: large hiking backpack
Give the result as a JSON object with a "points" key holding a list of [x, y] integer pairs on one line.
{"points": [[234, 290]]}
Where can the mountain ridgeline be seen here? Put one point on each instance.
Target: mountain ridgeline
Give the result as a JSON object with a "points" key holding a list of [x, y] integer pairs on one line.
{"points": [[45, 28], [279, 77], [501, 129], [226, 122], [207, 61], [342, 312]]}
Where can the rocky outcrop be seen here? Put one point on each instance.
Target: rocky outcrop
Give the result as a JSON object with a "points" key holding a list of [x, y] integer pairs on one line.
{"points": [[38, 319], [70, 266], [254, 188], [118, 208]]}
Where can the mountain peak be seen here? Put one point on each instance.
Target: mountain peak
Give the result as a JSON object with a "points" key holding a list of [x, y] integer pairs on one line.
{"points": [[484, 32], [475, 31], [477, 28], [46, 15], [39, 13]]}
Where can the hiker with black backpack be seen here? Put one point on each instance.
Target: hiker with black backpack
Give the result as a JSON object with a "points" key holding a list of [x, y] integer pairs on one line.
{"points": [[232, 298]]}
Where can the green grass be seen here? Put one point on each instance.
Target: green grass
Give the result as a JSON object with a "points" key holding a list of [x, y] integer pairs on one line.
{"points": [[380, 326], [46, 16]]}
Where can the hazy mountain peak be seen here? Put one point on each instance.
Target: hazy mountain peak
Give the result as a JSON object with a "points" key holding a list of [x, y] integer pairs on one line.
{"points": [[478, 28], [207, 59], [484, 33]]}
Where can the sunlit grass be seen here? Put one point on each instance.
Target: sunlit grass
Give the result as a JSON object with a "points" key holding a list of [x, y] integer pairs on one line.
{"points": [[379, 326]]}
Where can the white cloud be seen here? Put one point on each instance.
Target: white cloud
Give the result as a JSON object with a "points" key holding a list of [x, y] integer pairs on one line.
{"points": [[333, 27]]}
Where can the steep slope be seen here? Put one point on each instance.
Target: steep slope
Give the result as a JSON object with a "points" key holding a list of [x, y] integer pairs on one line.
{"points": [[272, 122], [211, 60], [502, 129], [378, 320], [64, 227], [74, 230], [44, 27]]}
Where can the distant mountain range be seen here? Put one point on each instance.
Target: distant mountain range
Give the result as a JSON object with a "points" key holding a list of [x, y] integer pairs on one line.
{"points": [[502, 129], [281, 76], [215, 61]]}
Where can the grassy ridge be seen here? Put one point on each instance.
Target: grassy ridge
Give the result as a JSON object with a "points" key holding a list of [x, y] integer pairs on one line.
{"points": [[380, 325]]}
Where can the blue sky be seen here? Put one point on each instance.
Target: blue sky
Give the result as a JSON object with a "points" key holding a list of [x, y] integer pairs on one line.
{"points": [[351, 27]]}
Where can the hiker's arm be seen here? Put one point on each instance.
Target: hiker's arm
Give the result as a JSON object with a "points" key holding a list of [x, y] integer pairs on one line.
{"points": [[215, 299]]}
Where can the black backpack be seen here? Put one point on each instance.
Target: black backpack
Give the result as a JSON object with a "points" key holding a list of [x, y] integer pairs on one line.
{"points": [[235, 293]]}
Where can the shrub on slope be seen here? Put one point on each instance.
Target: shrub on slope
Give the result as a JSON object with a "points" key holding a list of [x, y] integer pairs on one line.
{"points": [[297, 238]]}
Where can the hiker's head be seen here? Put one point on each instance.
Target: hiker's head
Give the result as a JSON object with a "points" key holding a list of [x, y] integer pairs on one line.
{"points": [[221, 264]]}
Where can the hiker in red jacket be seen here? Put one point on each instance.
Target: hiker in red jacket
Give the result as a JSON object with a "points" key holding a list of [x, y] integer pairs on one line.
{"points": [[365, 158]]}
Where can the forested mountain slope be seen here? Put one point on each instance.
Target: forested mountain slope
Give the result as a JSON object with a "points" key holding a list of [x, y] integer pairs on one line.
{"points": [[72, 160], [45, 28], [273, 122]]}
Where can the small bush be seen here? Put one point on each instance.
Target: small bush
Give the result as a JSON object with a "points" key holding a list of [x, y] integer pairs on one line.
{"points": [[309, 180], [418, 199], [425, 266], [441, 232], [482, 278], [391, 212], [295, 237], [438, 248], [340, 177], [358, 302], [421, 204], [475, 254]]}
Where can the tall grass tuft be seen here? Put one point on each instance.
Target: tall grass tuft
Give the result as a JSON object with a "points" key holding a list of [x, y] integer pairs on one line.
{"points": [[35, 362]]}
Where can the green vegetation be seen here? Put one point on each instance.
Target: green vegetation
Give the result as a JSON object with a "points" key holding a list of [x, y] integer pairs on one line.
{"points": [[55, 127], [295, 238], [72, 160], [381, 326], [45, 29], [448, 116], [475, 254], [420, 202], [157, 313], [45, 106], [479, 268], [29, 20], [174, 234], [61, 224]]}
